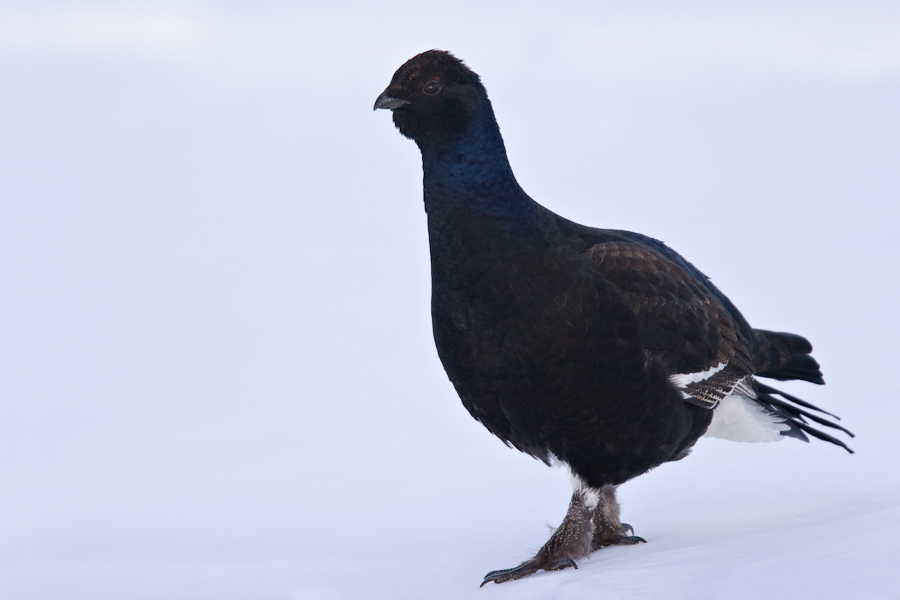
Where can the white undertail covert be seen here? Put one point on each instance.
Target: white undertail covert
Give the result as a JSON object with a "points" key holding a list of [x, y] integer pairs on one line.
{"points": [[739, 418]]}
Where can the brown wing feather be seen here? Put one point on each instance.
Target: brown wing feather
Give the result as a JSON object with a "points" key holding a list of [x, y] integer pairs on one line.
{"points": [[682, 324]]}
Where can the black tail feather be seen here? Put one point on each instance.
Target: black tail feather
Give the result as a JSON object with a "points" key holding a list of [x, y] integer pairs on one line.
{"points": [[785, 356], [824, 436], [795, 418], [796, 412], [770, 390], [798, 366]]}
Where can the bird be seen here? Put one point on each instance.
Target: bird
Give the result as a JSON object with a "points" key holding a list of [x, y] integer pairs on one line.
{"points": [[601, 350]]}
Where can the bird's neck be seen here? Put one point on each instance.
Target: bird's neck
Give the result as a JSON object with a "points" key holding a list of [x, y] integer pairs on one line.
{"points": [[477, 212], [472, 174]]}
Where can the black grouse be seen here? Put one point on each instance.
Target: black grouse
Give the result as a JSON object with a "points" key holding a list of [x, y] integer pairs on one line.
{"points": [[604, 350]]}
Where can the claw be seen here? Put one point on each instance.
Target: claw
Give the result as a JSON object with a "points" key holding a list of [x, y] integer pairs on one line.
{"points": [[504, 575], [562, 564], [630, 540], [622, 540], [628, 527]]}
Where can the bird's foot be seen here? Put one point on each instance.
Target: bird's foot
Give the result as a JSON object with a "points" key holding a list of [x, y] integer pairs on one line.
{"points": [[619, 536], [625, 540], [528, 568], [571, 540], [592, 522], [630, 539]]}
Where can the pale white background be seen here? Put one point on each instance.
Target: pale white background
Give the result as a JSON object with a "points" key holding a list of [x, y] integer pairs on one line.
{"points": [[217, 379]]}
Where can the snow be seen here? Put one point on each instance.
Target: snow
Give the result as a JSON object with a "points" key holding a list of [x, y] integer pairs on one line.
{"points": [[217, 378]]}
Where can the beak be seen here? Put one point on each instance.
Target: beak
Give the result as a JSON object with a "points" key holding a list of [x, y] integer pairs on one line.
{"points": [[385, 101]]}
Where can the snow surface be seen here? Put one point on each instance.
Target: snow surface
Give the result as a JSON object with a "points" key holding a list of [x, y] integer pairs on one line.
{"points": [[217, 378]]}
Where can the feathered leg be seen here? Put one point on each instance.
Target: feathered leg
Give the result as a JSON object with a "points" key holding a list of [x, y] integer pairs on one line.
{"points": [[591, 522], [608, 529], [571, 540]]}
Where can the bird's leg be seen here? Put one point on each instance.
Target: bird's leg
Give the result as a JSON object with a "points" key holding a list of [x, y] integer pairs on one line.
{"points": [[571, 540], [608, 529]]}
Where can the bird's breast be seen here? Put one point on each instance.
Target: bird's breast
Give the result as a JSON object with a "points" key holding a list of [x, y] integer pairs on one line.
{"points": [[503, 319]]}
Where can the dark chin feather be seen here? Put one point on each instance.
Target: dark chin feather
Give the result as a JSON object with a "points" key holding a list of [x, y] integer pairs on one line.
{"points": [[406, 123]]}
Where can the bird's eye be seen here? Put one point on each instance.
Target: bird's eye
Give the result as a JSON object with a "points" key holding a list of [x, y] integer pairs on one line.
{"points": [[431, 87]]}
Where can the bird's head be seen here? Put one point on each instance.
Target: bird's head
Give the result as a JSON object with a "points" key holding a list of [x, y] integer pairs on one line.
{"points": [[435, 98]]}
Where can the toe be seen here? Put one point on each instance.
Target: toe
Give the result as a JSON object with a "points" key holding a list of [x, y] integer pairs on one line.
{"points": [[630, 540], [561, 564], [526, 569], [504, 575]]}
